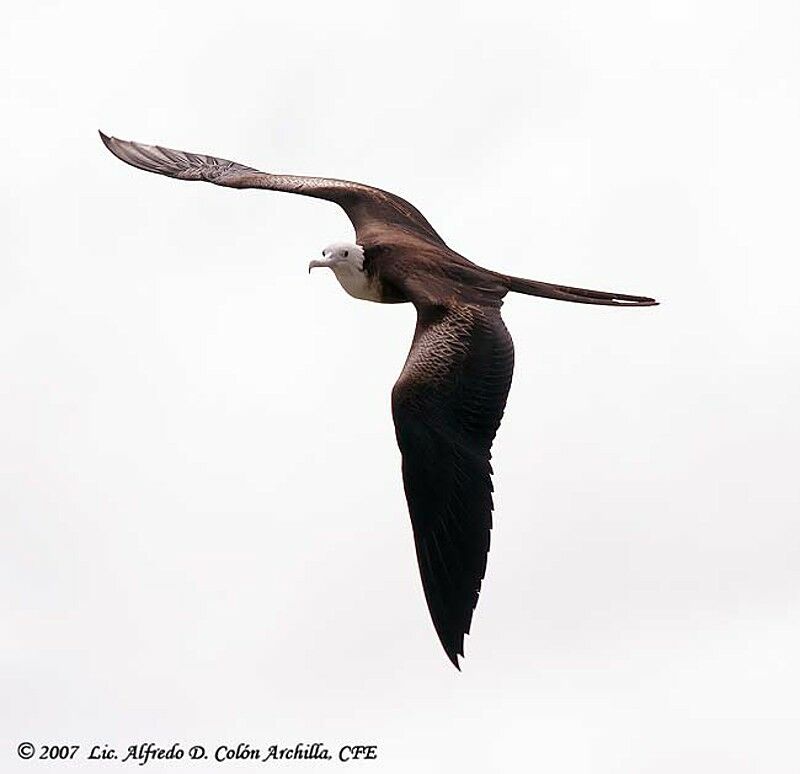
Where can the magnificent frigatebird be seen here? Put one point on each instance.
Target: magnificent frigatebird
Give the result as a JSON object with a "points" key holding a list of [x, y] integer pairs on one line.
{"points": [[451, 394]]}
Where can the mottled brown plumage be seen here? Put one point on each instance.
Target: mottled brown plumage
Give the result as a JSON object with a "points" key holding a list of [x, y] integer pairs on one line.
{"points": [[450, 397]]}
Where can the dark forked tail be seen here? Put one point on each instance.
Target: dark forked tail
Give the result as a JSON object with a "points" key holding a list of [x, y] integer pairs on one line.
{"points": [[576, 295]]}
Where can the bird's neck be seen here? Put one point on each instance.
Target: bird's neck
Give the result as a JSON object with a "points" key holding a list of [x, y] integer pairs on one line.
{"points": [[358, 283]]}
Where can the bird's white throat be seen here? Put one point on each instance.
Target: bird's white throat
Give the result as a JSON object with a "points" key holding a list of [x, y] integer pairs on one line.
{"points": [[356, 282]]}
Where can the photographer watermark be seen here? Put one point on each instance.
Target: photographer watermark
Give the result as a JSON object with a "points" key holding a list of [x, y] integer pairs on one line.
{"points": [[146, 752]]}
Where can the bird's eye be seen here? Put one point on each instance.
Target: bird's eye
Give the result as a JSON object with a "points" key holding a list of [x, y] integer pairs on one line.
{"points": [[345, 253], [323, 253]]}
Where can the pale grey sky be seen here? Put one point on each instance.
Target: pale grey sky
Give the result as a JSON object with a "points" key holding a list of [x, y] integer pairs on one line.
{"points": [[204, 530]]}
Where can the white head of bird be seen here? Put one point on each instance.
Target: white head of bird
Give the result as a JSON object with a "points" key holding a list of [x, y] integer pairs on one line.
{"points": [[346, 260]]}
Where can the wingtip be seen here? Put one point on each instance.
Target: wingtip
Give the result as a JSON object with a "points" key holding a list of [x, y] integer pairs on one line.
{"points": [[452, 656], [105, 138]]}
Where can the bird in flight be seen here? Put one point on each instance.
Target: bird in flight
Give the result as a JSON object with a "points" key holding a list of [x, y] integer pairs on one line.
{"points": [[449, 399]]}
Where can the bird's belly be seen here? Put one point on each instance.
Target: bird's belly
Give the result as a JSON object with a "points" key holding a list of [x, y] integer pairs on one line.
{"points": [[357, 284]]}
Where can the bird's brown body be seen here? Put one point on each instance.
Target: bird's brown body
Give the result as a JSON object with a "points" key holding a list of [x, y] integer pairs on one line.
{"points": [[449, 399]]}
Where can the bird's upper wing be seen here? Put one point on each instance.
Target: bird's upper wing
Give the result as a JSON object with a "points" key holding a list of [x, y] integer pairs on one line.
{"points": [[366, 207], [447, 405]]}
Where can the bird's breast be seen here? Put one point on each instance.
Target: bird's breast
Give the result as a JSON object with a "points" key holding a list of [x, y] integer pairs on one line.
{"points": [[358, 283]]}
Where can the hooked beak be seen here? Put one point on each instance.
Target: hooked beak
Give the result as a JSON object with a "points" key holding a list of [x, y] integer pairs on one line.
{"points": [[313, 265]]}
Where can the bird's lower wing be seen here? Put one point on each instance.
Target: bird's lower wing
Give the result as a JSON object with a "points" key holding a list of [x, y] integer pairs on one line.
{"points": [[447, 406]]}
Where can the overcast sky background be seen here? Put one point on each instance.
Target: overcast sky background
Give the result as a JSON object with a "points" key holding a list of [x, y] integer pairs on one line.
{"points": [[205, 537]]}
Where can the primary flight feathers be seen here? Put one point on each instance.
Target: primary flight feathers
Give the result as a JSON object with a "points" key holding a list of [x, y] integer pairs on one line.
{"points": [[449, 399]]}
